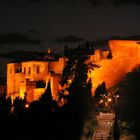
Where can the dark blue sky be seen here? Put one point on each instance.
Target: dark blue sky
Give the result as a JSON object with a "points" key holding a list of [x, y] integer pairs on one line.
{"points": [[54, 19], [48, 20]]}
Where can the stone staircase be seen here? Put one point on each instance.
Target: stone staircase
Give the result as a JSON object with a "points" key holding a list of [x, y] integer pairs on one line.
{"points": [[105, 122]]}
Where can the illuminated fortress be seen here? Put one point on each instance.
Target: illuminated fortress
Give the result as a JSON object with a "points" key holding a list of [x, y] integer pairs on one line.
{"points": [[125, 56], [32, 76]]}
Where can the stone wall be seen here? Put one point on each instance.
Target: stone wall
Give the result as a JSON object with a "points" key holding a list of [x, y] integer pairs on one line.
{"points": [[13, 77], [57, 66], [35, 70], [125, 56]]}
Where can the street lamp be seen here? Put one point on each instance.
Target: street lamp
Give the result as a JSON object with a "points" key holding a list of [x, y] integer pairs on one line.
{"points": [[101, 101], [26, 105], [116, 98], [109, 100]]}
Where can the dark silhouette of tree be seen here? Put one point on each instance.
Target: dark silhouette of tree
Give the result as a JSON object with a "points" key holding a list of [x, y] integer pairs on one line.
{"points": [[79, 100], [100, 91], [6, 118], [5, 104], [47, 96], [19, 106], [76, 70], [116, 129], [128, 103], [46, 99]]}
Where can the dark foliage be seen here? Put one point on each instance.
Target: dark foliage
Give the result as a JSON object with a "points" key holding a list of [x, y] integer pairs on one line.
{"points": [[43, 119], [79, 100], [46, 101], [100, 91], [85, 48], [116, 129], [5, 105], [39, 121], [128, 105]]}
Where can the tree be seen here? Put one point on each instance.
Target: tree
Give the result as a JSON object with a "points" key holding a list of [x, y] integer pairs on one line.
{"points": [[5, 104], [19, 106], [116, 129], [79, 99], [46, 99], [100, 90]]}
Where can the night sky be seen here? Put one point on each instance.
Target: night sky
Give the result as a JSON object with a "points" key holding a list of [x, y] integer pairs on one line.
{"points": [[59, 22]]}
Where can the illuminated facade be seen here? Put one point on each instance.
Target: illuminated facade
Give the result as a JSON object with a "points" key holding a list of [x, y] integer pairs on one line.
{"points": [[32, 76], [125, 56]]}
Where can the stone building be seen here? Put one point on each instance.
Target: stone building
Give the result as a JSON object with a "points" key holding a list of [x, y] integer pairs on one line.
{"points": [[31, 76]]}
